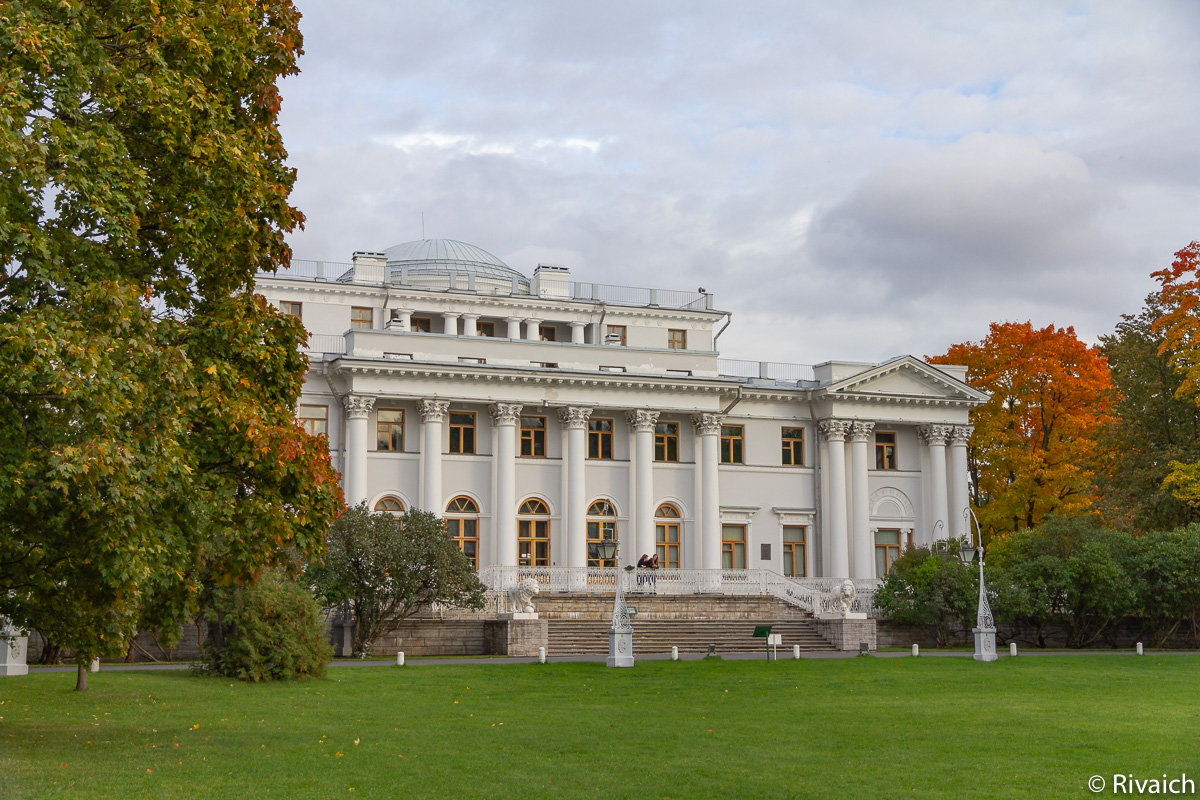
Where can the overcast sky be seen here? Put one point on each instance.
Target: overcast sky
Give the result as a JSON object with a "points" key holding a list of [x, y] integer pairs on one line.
{"points": [[852, 180]]}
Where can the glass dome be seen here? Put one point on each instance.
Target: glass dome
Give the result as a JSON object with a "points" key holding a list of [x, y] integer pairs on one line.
{"points": [[445, 260]]}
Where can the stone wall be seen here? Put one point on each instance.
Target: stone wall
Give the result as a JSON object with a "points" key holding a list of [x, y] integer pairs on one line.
{"points": [[848, 634]]}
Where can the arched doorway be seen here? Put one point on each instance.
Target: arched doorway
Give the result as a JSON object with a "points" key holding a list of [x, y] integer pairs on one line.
{"points": [[533, 534], [462, 521], [666, 535], [601, 524]]}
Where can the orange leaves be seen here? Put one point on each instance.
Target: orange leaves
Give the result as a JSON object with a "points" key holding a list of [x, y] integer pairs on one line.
{"points": [[1035, 442], [1180, 325]]}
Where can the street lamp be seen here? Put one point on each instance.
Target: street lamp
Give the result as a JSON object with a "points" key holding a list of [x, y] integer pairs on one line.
{"points": [[985, 626], [620, 633]]}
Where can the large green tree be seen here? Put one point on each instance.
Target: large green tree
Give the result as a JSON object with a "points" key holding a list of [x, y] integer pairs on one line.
{"points": [[1152, 427], [147, 445]]}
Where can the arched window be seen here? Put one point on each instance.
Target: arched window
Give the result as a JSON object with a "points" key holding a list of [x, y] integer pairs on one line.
{"points": [[389, 505], [462, 520], [666, 535], [601, 524], [533, 534]]}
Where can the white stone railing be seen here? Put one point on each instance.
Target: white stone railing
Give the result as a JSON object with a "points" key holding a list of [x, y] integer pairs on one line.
{"points": [[811, 594]]}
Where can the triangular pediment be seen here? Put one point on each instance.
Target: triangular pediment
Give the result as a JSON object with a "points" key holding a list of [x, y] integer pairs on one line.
{"points": [[905, 377]]}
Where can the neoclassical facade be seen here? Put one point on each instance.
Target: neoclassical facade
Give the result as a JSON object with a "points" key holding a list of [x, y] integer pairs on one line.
{"points": [[540, 414]]}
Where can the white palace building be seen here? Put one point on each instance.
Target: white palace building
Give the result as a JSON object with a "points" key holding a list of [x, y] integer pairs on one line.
{"points": [[540, 413]]}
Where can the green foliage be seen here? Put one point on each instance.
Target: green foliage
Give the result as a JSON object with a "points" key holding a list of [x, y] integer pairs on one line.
{"points": [[1167, 576], [270, 629], [386, 569], [1068, 572], [1152, 427], [930, 588], [147, 443]]}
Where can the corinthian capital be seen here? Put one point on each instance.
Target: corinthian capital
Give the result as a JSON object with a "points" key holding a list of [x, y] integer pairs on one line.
{"points": [[574, 416], [505, 413], [433, 410], [961, 434], [707, 424], [641, 420], [358, 406], [861, 431], [834, 430], [933, 435]]}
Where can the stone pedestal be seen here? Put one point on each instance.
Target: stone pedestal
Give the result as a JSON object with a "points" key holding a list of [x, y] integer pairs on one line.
{"points": [[620, 648], [515, 635], [985, 644], [845, 633], [13, 652]]}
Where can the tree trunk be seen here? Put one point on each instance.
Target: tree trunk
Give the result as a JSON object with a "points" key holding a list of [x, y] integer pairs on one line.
{"points": [[81, 672]]}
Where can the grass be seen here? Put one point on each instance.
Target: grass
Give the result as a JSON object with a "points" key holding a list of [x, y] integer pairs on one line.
{"points": [[853, 728]]}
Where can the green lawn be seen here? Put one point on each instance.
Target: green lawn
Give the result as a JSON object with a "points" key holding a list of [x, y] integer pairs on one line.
{"points": [[837, 728]]}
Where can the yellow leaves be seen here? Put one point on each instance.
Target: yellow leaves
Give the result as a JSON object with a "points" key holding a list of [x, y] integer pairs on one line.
{"points": [[211, 369]]}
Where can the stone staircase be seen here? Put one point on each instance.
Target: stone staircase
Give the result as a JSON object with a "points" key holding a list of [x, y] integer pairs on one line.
{"points": [[579, 625]]}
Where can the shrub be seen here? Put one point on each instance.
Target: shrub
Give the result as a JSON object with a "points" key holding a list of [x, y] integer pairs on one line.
{"points": [[930, 589], [268, 630]]}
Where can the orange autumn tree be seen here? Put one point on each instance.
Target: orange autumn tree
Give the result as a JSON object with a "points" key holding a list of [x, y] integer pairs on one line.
{"points": [[1035, 447], [1180, 328]]}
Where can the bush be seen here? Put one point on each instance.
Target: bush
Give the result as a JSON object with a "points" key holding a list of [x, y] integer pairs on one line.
{"points": [[268, 630], [931, 590]]}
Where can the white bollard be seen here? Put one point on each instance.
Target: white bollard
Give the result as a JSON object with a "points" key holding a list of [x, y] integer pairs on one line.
{"points": [[796, 652], [674, 653], [1139, 648], [95, 665], [541, 655], [1012, 648], [916, 650], [400, 658]]}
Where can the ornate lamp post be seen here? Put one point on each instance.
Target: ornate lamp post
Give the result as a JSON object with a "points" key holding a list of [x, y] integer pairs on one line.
{"points": [[620, 633], [985, 627]]}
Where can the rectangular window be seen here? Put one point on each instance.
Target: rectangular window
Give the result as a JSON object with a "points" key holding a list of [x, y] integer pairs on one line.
{"points": [[731, 444], [547, 333], [315, 420], [462, 432], [485, 329], [389, 430], [533, 542], [615, 335], [361, 317], [795, 558], [793, 447], [885, 450], [733, 546], [291, 309], [533, 437], [666, 441], [421, 324], [887, 550], [676, 339], [465, 533], [600, 438]]}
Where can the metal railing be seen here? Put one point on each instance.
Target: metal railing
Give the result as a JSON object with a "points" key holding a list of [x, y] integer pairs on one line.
{"points": [[378, 275], [765, 370], [815, 595]]}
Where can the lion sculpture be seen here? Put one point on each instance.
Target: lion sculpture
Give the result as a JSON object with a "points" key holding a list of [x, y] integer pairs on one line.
{"points": [[520, 596], [844, 595]]}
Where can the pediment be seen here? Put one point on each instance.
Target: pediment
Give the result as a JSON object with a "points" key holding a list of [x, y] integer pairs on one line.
{"points": [[905, 378]]}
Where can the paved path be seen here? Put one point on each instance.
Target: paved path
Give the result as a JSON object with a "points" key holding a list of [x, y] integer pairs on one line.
{"points": [[503, 660]]}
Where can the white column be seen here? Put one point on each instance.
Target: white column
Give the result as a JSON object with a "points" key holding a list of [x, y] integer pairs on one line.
{"points": [[642, 423], [531, 329], [505, 417], [433, 414], [401, 319], [575, 420], [469, 327], [834, 432], [708, 456], [861, 538], [451, 326], [959, 497], [358, 410], [577, 329], [514, 327], [935, 436]]}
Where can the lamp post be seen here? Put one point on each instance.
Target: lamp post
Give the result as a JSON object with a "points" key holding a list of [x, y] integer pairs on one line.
{"points": [[985, 626], [620, 633]]}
